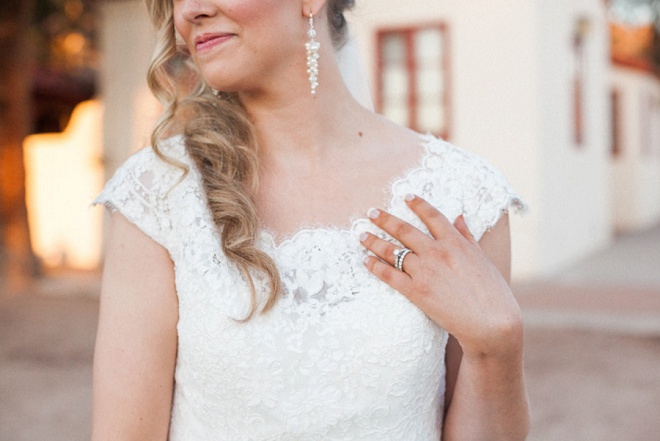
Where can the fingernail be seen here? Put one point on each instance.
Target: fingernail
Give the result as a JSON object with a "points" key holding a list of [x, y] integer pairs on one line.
{"points": [[365, 260], [373, 213], [363, 237], [410, 197]]}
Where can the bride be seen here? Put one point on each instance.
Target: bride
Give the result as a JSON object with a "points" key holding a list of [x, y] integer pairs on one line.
{"points": [[284, 264]]}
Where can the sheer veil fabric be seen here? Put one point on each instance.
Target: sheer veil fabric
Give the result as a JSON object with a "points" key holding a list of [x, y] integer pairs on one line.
{"points": [[353, 72]]}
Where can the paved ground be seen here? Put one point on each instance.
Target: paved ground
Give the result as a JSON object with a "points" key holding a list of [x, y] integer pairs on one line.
{"points": [[592, 355], [593, 346], [46, 346]]}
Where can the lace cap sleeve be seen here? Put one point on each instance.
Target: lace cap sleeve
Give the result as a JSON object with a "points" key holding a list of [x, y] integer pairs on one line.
{"points": [[487, 194], [139, 191]]}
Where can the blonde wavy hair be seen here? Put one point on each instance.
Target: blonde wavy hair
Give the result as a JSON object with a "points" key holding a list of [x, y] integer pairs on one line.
{"points": [[220, 137]]}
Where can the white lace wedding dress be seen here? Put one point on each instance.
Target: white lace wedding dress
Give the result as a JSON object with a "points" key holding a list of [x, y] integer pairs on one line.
{"points": [[342, 356]]}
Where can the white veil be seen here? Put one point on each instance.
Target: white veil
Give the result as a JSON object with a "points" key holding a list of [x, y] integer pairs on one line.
{"points": [[353, 72]]}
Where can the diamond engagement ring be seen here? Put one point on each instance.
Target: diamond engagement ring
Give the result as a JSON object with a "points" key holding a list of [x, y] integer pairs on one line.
{"points": [[399, 256]]}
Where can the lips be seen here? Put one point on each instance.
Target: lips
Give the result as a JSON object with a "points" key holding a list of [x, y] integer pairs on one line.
{"points": [[207, 41]]}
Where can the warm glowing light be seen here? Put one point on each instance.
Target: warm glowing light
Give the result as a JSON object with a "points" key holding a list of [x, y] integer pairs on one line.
{"points": [[74, 43], [631, 41], [64, 172]]}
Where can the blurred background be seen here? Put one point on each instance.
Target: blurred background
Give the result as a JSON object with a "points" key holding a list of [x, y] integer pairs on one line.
{"points": [[563, 96]]}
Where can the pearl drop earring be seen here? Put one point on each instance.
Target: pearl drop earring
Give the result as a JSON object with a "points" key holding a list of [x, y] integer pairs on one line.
{"points": [[312, 47]]}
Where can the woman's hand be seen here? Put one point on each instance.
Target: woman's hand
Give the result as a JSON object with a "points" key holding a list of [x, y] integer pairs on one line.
{"points": [[450, 279]]}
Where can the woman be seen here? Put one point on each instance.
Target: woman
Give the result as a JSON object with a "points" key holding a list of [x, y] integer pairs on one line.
{"points": [[249, 293]]}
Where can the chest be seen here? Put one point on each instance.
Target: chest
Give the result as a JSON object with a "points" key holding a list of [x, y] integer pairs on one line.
{"points": [[328, 194], [338, 342], [337, 334]]}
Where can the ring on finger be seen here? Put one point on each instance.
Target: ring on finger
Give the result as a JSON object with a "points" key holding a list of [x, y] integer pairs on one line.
{"points": [[399, 256]]}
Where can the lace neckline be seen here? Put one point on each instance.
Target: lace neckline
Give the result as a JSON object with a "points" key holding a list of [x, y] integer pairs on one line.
{"points": [[427, 140]]}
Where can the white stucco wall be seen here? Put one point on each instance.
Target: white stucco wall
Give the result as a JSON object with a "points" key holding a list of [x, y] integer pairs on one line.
{"points": [[494, 96], [130, 110], [512, 103], [636, 171], [575, 216], [493, 88]]}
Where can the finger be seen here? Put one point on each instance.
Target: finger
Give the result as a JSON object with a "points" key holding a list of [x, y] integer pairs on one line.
{"points": [[462, 228], [387, 273], [408, 235], [438, 225], [385, 250]]}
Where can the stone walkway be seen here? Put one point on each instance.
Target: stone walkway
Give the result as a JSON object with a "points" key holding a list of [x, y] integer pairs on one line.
{"points": [[592, 353], [46, 347], [593, 346]]}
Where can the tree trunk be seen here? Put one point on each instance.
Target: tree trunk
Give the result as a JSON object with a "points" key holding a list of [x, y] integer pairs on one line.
{"points": [[17, 262]]}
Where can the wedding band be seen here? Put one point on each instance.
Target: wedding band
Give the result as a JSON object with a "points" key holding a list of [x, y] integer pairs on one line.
{"points": [[399, 256]]}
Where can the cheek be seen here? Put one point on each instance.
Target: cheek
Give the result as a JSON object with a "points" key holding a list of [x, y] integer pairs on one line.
{"points": [[246, 11], [270, 18], [182, 29]]}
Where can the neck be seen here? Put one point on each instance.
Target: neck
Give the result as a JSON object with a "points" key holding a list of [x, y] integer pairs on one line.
{"points": [[293, 125]]}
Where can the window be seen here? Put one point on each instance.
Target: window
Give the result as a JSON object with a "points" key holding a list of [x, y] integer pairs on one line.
{"points": [[582, 26], [615, 97], [413, 78], [648, 104], [617, 147]]}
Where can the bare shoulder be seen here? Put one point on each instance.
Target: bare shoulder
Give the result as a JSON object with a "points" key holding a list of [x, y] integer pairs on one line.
{"points": [[394, 146], [397, 139]]}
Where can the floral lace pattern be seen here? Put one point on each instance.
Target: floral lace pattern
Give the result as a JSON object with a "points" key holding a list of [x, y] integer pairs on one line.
{"points": [[342, 356]]}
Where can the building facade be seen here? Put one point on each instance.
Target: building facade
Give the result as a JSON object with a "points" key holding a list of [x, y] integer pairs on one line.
{"points": [[527, 86], [635, 151], [525, 83]]}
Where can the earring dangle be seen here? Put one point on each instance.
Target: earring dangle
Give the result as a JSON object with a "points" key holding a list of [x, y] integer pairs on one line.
{"points": [[312, 47]]}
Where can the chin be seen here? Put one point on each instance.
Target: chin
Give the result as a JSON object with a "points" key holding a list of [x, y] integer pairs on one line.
{"points": [[224, 87], [223, 81], [229, 86], [235, 74]]}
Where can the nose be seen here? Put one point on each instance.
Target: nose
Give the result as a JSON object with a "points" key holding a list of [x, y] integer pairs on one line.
{"points": [[194, 11]]}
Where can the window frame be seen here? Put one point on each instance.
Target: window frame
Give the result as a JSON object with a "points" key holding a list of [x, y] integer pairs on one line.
{"points": [[408, 33], [579, 79], [616, 101]]}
